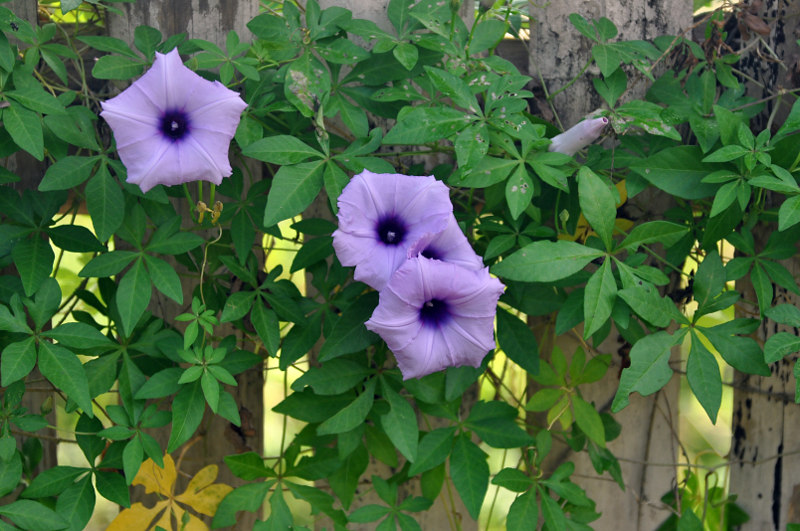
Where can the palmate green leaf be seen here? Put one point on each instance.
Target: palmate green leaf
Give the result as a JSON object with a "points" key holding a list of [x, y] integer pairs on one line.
{"points": [[495, 423], [112, 487], [486, 35], [67, 173], [488, 171], [597, 204], [132, 457], [434, 447], [10, 473], [546, 261], [33, 516], [164, 278], [678, 171], [74, 238], [53, 481], [709, 280], [513, 479], [245, 498], [37, 99], [780, 345], [646, 302], [105, 203], [787, 314], [116, 67], [663, 232], [400, 423], [17, 361], [187, 412], [133, 295], [65, 372], [524, 511], [349, 334], [551, 511], [76, 503], [519, 191], [281, 149], [470, 473], [107, 264], [248, 466], [293, 189], [649, 370], [789, 213], [702, 371], [426, 124], [267, 327], [762, 286], [588, 420], [598, 299], [517, 341], [333, 377], [739, 351], [25, 128], [406, 54], [352, 414], [790, 125], [454, 88], [237, 305], [161, 384], [34, 259]]}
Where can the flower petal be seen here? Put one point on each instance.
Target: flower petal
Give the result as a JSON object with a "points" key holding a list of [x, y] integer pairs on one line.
{"points": [[450, 245], [462, 337], [167, 89], [420, 205]]}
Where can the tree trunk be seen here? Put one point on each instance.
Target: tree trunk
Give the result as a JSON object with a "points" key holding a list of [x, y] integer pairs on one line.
{"points": [[209, 20], [558, 53], [766, 421], [30, 172]]}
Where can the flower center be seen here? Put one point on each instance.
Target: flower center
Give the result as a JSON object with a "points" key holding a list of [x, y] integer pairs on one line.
{"points": [[434, 312], [174, 124], [430, 252], [391, 230]]}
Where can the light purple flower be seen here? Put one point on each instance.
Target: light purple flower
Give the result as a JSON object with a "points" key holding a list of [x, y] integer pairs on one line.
{"points": [[381, 215], [578, 136], [434, 315], [450, 245], [172, 126]]}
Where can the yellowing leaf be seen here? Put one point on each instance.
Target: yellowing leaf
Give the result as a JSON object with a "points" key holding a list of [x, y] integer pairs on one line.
{"points": [[136, 517], [157, 479], [202, 496]]}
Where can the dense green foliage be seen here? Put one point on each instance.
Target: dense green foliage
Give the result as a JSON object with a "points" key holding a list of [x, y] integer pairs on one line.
{"points": [[552, 227]]}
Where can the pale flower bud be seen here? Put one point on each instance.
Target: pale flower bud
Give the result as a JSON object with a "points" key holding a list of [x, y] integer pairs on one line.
{"points": [[578, 136]]}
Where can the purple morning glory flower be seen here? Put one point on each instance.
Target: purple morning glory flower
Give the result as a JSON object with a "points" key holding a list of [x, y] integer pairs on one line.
{"points": [[450, 245], [434, 315], [578, 136], [172, 126], [381, 215]]}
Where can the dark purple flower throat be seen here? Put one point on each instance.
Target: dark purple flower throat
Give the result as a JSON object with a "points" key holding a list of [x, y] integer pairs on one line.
{"points": [[391, 230], [174, 124], [434, 312]]}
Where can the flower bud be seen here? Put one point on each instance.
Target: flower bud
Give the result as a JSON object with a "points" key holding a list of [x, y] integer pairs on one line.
{"points": [[578, 136]]}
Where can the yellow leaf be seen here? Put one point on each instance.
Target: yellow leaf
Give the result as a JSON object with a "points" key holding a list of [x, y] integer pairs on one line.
{"points": [[202, 496], [194, 523], [157, 479], [137, 517], [207, 500]]}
